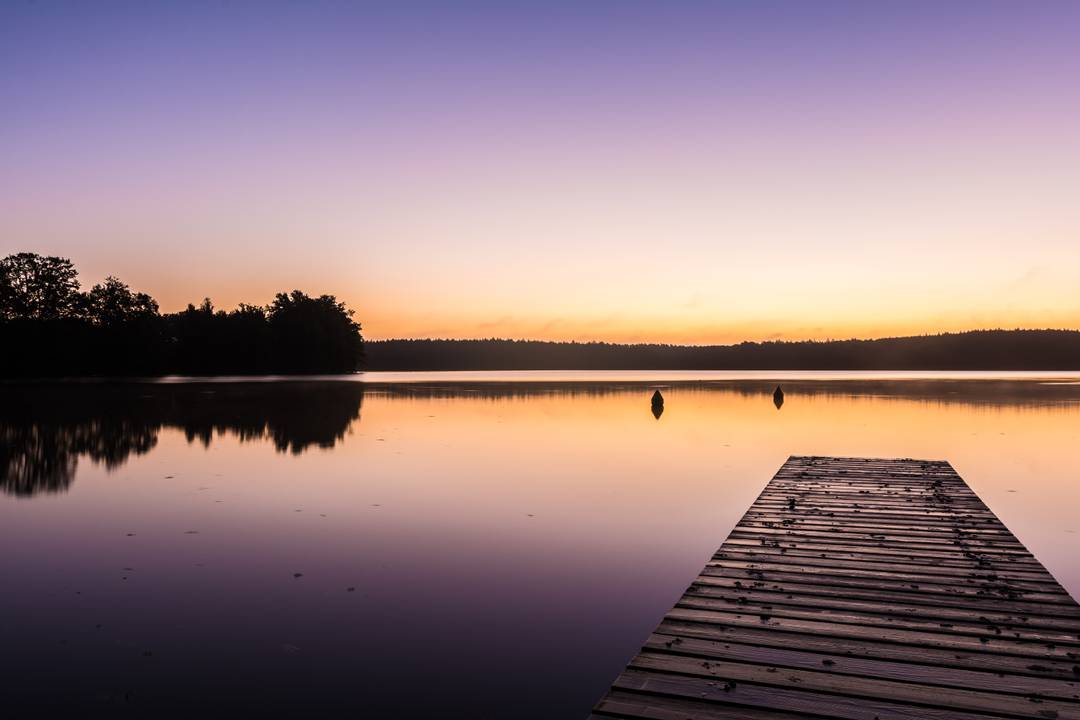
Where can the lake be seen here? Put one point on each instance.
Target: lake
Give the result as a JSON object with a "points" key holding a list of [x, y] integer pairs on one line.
{"points": [[478, 545]]}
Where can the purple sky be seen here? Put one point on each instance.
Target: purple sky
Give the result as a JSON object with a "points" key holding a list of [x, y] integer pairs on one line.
{"points": [[633, 171]]}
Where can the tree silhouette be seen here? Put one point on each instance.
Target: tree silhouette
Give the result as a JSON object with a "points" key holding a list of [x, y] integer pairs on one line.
{"points": [[975, 350], [313, 334], [34, 287], [49, 327], [112, 303]]}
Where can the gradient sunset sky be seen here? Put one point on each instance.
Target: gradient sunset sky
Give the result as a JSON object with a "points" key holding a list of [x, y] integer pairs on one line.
{"points": [[630, 171]]}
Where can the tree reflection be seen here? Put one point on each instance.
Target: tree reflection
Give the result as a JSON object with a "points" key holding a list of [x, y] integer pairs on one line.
{"points": [[36, 459], [46, 429]]}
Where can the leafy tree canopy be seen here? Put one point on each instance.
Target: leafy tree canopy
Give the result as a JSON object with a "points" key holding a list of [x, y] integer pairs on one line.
{"points": [[38, 288]]}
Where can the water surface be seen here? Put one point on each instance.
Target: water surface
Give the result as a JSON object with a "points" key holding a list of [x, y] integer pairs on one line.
{"points": [[456, 547]]}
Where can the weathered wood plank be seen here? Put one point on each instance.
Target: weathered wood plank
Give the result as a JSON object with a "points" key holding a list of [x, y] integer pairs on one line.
{"points": [[990, 613], [823, 680], [862, 588], [989, 642], [963, 572], [932, 658], [842, 663], [990, 590], [979, 603], [972, 627]]}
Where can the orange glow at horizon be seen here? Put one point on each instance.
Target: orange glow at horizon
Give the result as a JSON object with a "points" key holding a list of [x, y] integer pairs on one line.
{"points": [[699, 320]]}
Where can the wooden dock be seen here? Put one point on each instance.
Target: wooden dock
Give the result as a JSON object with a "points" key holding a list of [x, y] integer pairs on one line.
{"points": [[862, 588]]}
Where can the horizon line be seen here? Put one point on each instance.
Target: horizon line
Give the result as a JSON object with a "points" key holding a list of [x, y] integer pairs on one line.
{"points": [[778, 341]]}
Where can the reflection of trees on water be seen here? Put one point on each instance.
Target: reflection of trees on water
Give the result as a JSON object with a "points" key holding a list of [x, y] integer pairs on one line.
{"points": [[293, 418], [42, 457], [35, 459], [970, 392], [46, 429]]}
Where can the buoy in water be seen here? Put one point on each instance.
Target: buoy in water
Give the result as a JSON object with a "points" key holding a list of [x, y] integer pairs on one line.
{"points": [[778, 397], [657, 404]]}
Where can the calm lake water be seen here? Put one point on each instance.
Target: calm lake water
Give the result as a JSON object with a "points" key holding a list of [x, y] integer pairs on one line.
{"points": [[434, 545]]}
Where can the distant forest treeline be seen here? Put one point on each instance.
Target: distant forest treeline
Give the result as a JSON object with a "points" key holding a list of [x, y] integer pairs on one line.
{"points": [[50, 327], [976, 350]]}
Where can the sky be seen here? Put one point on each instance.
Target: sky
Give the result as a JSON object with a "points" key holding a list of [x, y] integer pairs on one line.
{"points": [[690, 172]]}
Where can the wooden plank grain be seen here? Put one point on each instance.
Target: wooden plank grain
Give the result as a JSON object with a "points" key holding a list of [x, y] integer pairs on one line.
{"points": [[862, 588], [851, 664], [931, 659], [823, 681]]}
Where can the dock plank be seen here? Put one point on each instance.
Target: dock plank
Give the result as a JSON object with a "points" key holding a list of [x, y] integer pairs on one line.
{"points": [[862, 588]]}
